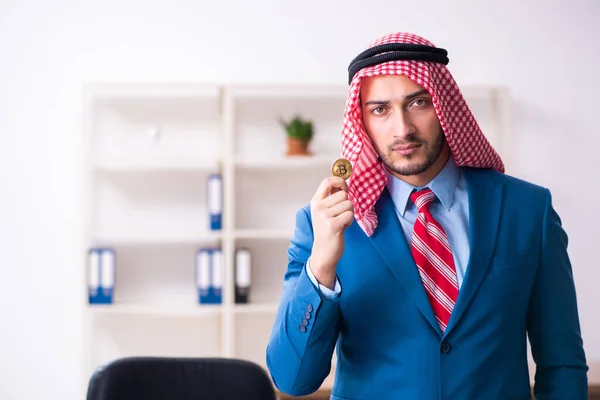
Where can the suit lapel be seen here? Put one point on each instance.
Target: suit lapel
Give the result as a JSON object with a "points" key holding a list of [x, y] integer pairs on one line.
{"points": [[485, 203], [389, 241]]}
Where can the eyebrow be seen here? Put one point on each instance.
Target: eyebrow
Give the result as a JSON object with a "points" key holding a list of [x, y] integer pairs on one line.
{"points": [[407, 97]]}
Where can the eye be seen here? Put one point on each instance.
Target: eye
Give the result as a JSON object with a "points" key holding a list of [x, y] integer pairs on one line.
{"points": [[378, 110], [419, 102]]}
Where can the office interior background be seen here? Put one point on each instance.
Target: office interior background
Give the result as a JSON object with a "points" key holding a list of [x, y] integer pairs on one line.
{"points": [[113, 114]]}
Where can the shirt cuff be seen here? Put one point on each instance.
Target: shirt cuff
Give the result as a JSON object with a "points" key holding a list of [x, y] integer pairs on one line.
{"points": [[326, 293]]}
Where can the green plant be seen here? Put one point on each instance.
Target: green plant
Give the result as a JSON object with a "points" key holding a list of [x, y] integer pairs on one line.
{"points": [[298, 128]]}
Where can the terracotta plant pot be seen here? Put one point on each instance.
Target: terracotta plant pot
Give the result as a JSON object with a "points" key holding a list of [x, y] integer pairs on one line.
{"points": [[297, 147]]}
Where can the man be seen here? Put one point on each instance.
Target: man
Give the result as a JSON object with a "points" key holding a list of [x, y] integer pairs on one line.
{"points": [[430, 267]]}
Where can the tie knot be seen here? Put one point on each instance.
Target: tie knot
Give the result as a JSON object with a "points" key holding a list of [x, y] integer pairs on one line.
{"points": [[422, 198]]}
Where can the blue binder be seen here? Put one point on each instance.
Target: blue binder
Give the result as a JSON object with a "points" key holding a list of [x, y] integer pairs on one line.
{"points": [[216, 276], [214, 191], [101, 275], [203, 275], [209, 275]]}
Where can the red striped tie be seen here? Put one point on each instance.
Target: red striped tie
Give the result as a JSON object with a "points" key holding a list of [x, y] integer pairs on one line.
{"points": [[433, 256]]}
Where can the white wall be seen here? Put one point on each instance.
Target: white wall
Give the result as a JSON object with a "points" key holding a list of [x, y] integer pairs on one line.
{"points": [[545, 51]]}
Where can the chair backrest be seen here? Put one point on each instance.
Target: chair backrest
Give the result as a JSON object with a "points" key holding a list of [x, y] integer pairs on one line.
{"points": [[162, 378]]}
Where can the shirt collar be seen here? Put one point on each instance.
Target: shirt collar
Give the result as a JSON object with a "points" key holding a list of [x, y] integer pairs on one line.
{"points": [[443, 185]]}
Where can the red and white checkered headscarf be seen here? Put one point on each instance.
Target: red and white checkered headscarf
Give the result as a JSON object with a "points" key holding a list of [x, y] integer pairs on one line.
{"points": [[466, 141]]}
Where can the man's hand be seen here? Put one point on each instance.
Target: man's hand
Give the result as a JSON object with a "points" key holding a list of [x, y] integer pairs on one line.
{"points": [[331, 214]]}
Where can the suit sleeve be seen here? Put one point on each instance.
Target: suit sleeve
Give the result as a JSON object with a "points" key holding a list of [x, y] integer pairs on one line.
{"points": [[306, 326], [326, 293], [553, 323]]}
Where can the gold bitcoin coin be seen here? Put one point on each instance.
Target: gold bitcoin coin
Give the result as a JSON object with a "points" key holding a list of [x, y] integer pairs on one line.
{"points": [[342, 168]]}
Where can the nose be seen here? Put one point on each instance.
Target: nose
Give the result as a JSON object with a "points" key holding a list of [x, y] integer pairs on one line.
{"points": [[403, 125]]}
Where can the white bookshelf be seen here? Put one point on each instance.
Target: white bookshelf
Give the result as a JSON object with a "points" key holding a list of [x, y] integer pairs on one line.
{"points": [[263, 233], [149, 150], [157, 311]]}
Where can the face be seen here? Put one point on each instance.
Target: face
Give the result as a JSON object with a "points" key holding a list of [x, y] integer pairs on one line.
{"points": [[400, 119]]}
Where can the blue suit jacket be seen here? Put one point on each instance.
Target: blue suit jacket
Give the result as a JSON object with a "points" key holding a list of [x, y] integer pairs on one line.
{"points": [[518, 283]]}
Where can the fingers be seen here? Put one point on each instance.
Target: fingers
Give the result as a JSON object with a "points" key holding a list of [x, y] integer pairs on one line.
{"points": [[338, 224], [331, 206], [330, 185], [340, 208], [335, 198], [345, 219]]}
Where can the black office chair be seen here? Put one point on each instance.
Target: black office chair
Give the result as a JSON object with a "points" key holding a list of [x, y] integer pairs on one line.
{"points": [[162, 378]]}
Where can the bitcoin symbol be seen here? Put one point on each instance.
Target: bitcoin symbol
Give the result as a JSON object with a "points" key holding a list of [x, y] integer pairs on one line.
{"points": [[342, 168]]}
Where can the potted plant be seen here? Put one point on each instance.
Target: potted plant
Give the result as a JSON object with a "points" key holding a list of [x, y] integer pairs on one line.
{"points": [[299, 135]]}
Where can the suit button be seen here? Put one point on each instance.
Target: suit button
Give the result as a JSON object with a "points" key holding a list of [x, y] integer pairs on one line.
{"points": [[304, 321], [309, 308], [445, 348], [307, 315], [302, 328]]}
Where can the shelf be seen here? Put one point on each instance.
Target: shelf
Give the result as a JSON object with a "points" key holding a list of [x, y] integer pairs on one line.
{"points": [[158, 311], [263, 234], [258, 308], [156, 163], [258, 113], [153, 208], [157, 238], [143, 127], [160, 238], [284, 162], [271, 202], [269, 263]]}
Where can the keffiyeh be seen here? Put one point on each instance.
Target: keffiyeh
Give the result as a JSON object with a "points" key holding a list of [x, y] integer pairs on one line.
{"points": [[467, 143]]}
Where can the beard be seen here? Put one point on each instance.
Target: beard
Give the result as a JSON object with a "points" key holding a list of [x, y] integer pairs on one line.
{"points": [[432, 152]]}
